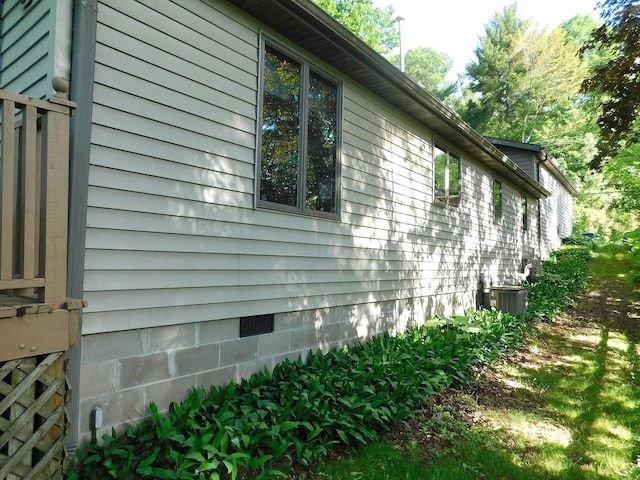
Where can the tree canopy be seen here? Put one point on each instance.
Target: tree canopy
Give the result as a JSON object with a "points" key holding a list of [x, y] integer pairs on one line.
{"points": [[429, 68], [495, 73], [574, 89], [617, 82], [374, 25], [623, 173], [523, 78]]}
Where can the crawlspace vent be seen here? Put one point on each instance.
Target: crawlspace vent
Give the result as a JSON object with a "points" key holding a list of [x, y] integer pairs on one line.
{"points": [[256, 325]]}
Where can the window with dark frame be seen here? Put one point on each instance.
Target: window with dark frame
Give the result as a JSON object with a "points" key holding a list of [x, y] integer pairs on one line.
{"points": [[446, 176], [299, 166], [497, 200], [525, 213]]}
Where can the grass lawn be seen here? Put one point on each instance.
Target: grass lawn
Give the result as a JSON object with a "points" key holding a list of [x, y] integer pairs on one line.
{"points": [[565, 406]]}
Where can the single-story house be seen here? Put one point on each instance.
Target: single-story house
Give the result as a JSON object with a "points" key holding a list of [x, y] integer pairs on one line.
{"points": [[249, 181]]}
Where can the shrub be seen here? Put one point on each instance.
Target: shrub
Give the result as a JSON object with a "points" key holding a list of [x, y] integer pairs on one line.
{"points": [[298, 411], [579, 240], [562, 277], [632, 241]]}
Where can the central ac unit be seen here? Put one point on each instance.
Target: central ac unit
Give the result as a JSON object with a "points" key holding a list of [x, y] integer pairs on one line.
{"points": [[510, 299]]}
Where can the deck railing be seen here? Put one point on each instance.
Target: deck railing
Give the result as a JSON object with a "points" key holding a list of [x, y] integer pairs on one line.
{"points": [[38, 323], [34, 170]]}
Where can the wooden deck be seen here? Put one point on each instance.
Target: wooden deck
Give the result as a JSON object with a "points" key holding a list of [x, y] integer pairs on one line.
{"points": [[35, 315], [38, 323], [31, 328]]}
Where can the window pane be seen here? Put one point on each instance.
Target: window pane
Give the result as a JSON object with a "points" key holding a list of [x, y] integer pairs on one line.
{"points": [[497, 200], [280, 129], [321, 145], [454, 181], [440, 166], [525, 214]]}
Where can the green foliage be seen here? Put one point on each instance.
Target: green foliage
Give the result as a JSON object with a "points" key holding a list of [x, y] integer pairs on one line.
{"points": [[632, 241], [510, 76], [597, 209], [430, 68], [524, 85], [562, 277], [549, 413], [374, 25], [616, 82], [579, 240], [496, 73], [297, 412], [578, 32], [623, 174]]}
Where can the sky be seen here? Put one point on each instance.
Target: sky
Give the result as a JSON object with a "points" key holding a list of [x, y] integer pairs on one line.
{"points": [[453, 26]]}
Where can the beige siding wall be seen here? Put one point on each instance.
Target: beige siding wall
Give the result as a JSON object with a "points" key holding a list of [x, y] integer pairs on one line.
{"points": [[556, 213], [173, 236], [175, 245]]}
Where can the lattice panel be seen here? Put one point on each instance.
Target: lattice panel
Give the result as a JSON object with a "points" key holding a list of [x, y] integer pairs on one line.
{"points": [[33, 395]]}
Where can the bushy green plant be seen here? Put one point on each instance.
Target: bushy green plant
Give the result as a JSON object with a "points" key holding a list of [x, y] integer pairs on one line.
{"points": [[632, 241], [298, 411], [579, 240], [562, 277]]}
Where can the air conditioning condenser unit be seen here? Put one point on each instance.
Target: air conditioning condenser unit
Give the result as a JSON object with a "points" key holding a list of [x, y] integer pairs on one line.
{"points": [[509, 298]]}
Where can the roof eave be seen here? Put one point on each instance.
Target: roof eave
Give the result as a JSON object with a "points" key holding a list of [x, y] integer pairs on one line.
{"points": [[314, 30], [552, 164]]}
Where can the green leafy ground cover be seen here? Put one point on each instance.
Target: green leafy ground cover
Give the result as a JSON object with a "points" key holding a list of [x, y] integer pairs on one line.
{"points": [[632, 241], [564, 406], [301, 412]]}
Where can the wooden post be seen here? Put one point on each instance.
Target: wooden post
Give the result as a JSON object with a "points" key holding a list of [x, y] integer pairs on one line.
{"points": [[57, 174], [28, 220], [8, 175]]}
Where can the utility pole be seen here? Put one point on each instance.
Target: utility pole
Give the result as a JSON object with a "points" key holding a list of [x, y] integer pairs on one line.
{"points": [[400, 19]]}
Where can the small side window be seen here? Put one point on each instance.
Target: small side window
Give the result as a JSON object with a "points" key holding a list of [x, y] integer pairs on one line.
{"points": [[525, 213], [446, 166], [497, 200]]}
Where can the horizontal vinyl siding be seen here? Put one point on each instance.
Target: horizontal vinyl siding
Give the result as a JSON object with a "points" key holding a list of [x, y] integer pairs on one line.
{"points": [[172, 233], [556, 212], [565, 213], [25, 47], [525, 159], [172, 148]]}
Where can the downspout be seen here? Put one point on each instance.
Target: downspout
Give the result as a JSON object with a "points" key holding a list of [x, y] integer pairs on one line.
{"points": [[542, 160], [62, 39], [83, 45]]}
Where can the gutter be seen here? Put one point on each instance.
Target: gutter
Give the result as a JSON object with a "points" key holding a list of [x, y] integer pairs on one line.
{"points": [[554, 167], [306, 24]]}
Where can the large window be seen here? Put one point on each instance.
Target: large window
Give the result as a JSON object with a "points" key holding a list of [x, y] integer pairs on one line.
{"points": [[299, 167], [497, 200], [447, 176]]}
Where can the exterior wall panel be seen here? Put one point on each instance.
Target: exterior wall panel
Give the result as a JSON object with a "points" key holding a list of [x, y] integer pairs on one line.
{"points": [[176, 249], [25, 56], [556, 213]]}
